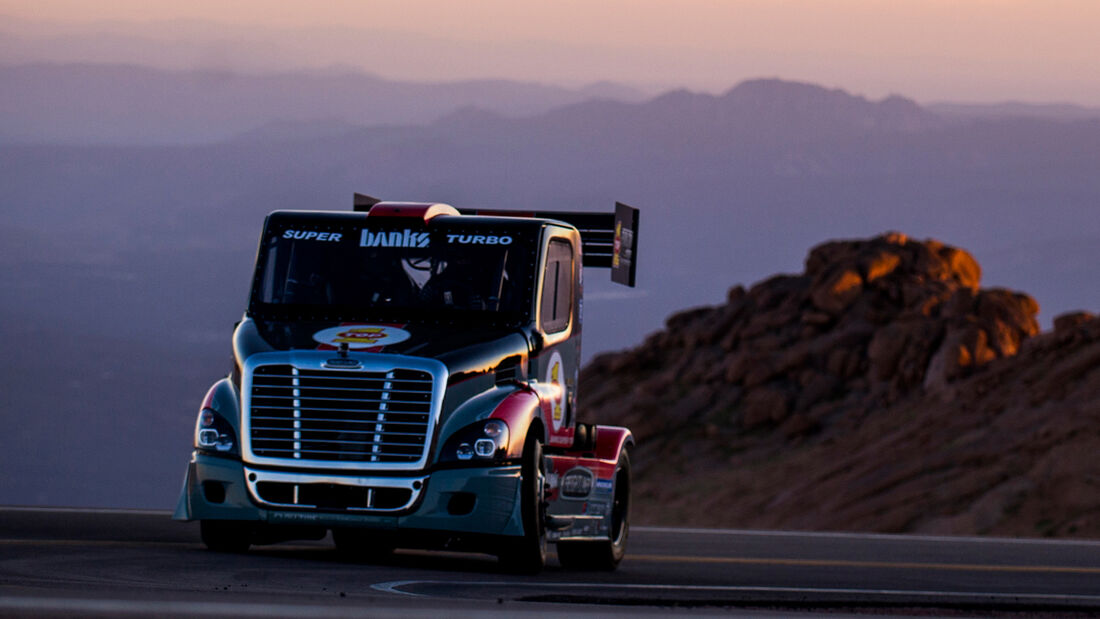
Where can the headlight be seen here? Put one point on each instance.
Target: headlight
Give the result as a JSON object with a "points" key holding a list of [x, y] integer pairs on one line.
{"points": [[482, 441], [213, 433]]}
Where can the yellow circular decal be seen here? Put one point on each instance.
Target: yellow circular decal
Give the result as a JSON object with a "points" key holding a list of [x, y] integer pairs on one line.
{"points": [[361, 336], [554, 376]]}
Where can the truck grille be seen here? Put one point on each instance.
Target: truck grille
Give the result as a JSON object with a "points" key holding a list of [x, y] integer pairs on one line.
{"points": [[358, 416], [333, 496]]}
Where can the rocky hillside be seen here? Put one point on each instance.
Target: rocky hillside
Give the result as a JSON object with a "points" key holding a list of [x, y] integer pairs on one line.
{"points": [[880, 390]]}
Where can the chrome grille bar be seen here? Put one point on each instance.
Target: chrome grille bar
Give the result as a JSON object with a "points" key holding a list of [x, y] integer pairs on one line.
{"points": [[297, 415], [376, 450]]}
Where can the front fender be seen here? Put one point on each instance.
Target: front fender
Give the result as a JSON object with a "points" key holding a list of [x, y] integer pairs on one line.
{"points": [[519, 410], [515, 405], [471, 411], [225, 400]]}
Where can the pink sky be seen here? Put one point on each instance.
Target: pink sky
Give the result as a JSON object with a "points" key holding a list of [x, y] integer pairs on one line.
{"points": [[963, 50]]}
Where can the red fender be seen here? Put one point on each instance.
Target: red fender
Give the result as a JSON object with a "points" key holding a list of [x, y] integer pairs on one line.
{"points": [[548, 393], [518, 410], [610, 440], [208, 400]]}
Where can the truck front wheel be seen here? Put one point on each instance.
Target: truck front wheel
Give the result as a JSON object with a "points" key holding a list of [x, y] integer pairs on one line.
{"points": [[226, 535], [605, 554], [528, 553]]}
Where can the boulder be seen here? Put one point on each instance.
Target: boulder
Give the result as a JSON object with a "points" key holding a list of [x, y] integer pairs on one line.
{"points": [[763, 406], [1071, 320], [879, 264], [962, 267], [837, 292]]}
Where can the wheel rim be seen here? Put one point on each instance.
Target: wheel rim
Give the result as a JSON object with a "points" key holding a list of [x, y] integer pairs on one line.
{"points": [[540, 501], [620, 506]]}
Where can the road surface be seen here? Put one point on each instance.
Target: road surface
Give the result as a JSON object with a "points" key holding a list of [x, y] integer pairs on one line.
{"points": [[56, 562]]}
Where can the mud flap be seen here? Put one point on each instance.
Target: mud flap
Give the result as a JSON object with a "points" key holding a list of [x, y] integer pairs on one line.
{"points": [[183, 506]]}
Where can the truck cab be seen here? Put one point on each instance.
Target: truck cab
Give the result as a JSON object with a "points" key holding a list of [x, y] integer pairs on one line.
{"points": [[405, 375]]}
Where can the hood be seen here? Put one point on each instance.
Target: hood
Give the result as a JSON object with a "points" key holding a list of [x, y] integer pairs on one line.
{"points": [[468, 349]]}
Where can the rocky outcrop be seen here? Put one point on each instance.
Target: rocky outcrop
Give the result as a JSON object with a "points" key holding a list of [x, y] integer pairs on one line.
{"points": [[866, 324], [863, 393]]}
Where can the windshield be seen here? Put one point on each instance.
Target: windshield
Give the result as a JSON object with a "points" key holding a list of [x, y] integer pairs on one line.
{"points": [[400, 272]]}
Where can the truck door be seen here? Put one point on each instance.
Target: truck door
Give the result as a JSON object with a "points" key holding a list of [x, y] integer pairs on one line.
{"points": [[559, 361]]}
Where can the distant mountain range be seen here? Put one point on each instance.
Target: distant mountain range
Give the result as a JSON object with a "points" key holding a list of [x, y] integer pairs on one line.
{"points": [[142, 250], [139, 105], [129, 104], [1015, 109]]}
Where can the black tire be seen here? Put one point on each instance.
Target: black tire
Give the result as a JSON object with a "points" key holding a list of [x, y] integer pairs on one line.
{"points": [[226, 535], [605, 555], [362, 544], [527, 554]]}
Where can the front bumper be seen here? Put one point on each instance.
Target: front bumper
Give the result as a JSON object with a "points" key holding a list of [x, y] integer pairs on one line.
{"points": [[217, 488]]}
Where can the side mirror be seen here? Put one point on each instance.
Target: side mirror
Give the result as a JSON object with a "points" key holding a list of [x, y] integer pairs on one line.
{"points": [[538, 342]]}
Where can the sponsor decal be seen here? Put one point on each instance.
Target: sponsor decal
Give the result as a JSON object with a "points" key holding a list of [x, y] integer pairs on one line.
{"points": [[603, 485], [479, 239], [315, 518], [616, 249], [360, 337], [577, 483], [403, 238], [554, 376], [293, 517], [312, 235], [622, 254]]}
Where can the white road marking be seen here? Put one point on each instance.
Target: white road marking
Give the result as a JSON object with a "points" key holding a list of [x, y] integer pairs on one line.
{"points": [[394, 587], [349, 607], [189, 608]]}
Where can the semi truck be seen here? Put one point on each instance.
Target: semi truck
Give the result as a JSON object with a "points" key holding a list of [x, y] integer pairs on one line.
{"points": [[405, 375]]}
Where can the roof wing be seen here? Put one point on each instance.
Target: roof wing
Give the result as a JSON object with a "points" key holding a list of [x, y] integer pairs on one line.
{"points": [[608, 240]]}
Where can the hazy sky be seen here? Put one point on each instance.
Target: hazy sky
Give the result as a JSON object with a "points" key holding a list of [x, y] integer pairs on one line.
{"points": [[1032, 50]]}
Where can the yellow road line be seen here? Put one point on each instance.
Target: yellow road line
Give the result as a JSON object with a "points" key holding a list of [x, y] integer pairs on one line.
{"points": [[896, 565], [957, 567]]}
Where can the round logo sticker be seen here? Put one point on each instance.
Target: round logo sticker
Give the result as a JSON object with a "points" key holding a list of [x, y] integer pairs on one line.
{"points": [[358, 337], [553, 376]]}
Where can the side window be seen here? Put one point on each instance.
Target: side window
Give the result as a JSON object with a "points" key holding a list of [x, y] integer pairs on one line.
{"points": [[557, 287]]}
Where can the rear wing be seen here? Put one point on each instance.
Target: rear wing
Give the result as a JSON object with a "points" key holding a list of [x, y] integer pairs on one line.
{"points": [[608, 240]]}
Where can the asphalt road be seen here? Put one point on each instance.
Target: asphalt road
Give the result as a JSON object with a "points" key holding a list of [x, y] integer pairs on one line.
{"points": [[57, 562]]}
